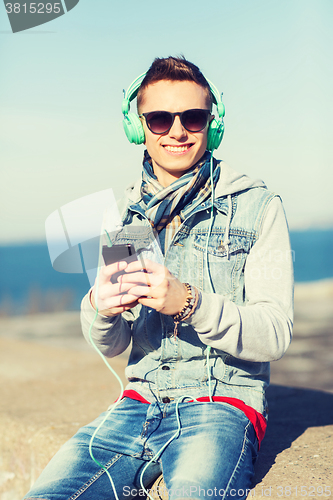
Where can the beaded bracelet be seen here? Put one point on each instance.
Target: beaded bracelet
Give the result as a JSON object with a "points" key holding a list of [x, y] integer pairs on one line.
{"points": [[189, 307]]}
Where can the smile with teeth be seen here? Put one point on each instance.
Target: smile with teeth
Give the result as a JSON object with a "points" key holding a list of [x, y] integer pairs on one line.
{"points": [[178, 149]]}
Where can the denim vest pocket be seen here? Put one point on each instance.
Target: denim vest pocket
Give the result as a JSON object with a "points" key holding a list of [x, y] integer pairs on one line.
{"points": [[225, 262], [143, 239], [247, 373]]}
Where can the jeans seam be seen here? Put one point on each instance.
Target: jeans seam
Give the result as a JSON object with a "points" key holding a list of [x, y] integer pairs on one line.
{"points": [[96, 476], [238, 461]]}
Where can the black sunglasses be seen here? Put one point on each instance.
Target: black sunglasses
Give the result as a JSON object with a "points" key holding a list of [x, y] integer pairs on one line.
{"points": [[160, 122]]}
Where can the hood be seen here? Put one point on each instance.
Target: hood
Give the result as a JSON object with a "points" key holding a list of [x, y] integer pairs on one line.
{"points": [[231, 182]]}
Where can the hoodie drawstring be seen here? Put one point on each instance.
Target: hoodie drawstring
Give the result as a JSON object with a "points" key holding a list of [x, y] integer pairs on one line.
{"points": [[227, 228]]}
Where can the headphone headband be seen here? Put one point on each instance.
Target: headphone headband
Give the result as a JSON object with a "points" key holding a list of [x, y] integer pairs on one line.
{"points": [[132, 92]]}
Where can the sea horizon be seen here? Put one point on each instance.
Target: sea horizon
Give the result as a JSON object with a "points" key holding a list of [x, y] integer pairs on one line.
{"points": [[29, 283]]}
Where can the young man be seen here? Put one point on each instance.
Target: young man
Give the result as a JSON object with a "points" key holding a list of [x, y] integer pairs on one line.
{"points": [[204, 325]]}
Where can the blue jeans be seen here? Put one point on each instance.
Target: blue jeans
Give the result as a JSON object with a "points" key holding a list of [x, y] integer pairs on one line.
{"points": [[212, 457]]}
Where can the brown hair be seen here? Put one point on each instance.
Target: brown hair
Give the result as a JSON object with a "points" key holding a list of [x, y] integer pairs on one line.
{"points": [[175, 69]]}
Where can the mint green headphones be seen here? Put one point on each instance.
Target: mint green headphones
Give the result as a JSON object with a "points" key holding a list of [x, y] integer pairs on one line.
{"points": [[134, 129]]}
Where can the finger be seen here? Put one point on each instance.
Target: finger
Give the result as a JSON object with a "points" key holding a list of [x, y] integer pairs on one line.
{"points": [[146, 291], [114, 311], [149, 302], [116, 301], [111, 295], [110, 290], [148, 279], [149, 266], [108, 271], [120, 309]]}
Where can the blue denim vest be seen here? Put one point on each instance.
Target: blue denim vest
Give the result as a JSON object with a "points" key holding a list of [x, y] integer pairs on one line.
{"points": [[162, 365]]}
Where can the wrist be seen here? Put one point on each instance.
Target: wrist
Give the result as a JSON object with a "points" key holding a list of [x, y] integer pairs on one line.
{"points": [[190, 304]]}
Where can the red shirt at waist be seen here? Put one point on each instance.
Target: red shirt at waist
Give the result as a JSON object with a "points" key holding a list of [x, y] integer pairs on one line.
{"points": [[257, 419]]}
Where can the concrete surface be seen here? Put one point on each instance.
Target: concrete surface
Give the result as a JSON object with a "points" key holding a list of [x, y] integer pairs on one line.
{"points": [[52, 383]]}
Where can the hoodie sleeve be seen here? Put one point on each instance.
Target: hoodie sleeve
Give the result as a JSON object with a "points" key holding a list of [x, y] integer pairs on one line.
{"points": [[110, 334], [261, 330]]}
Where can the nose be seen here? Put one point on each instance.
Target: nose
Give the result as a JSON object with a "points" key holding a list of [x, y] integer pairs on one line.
{"points": [[177, 130]]}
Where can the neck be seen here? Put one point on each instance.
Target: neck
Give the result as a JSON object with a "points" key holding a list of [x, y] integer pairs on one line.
{"points": [[164, 177]]}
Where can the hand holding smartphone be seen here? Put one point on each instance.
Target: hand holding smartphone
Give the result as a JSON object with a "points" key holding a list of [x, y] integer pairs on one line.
{"points": [[116, 253]]}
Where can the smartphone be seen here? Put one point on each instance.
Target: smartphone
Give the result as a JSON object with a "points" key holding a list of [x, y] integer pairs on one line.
{"points": [[117, 253]]}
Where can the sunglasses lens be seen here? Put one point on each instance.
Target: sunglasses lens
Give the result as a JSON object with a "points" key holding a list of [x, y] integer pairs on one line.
{"points": [[159, 121], [195, 120]]}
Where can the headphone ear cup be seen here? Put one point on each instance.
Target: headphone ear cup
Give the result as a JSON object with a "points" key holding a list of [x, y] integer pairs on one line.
{"points": [[215, 134], [133, 129]]}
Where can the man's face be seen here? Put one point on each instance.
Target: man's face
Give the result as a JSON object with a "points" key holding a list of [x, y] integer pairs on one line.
{"points": [[176, 151]]}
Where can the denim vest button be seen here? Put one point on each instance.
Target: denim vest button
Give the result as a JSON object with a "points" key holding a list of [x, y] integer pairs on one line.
{"points": [[165, 367], [166, 400]]}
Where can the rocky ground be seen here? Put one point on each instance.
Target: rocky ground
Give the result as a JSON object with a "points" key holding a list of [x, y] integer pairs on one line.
{"points": [[52, 383]]}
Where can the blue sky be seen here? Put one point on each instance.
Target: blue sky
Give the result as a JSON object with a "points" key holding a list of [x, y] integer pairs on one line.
{"points": [[61, 85]]}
